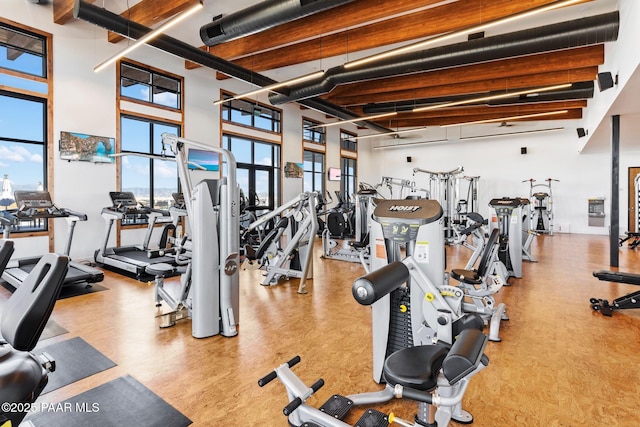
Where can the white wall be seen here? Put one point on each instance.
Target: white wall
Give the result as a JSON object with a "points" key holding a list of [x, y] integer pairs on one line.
{"points": [[85, 102], [502, 169]]}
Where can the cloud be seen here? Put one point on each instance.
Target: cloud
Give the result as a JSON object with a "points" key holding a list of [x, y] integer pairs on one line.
{"points": [[165, 169]]}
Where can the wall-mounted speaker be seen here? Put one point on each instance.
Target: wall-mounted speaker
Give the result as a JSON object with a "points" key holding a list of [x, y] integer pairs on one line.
{"points": [[605, 81], [581, 132], [523, 150], [409, 159]]}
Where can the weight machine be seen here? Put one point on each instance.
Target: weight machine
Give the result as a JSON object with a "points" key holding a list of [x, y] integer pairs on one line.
{"points": [[444, 187], [541, 198], [355, 250], [424, 311], [295, 260], [629, 301], [212, 207]]}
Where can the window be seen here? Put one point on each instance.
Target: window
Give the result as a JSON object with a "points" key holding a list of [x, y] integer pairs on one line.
{"points": [[314, 172], [152, 181], [24, 127], [310, 133], [348, 179], [22, 51], [258, 170], [144, 85], [251, 114], [348, 141]]}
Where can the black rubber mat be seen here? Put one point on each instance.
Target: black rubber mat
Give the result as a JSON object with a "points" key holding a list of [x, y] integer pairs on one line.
{"points": [[78, 289], [121, 402], [75, 359], [52, 329]]}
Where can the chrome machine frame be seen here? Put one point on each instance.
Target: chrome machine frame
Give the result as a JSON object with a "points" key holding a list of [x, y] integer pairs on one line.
{"points": [[215, 236]]}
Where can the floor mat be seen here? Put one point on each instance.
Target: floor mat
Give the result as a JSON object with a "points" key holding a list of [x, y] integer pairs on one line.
{"points": [[75, 359], [121, 402], [52, 329], [74, 290]]}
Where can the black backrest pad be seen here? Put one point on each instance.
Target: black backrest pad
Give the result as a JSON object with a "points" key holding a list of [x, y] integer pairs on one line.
{"points": [[6, 250], [488, 250], [465, 355], [282, 224], [27, 311]]}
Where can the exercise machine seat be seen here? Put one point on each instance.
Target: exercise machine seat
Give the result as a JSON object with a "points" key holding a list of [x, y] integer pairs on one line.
{"points": [[161, 269], [415, 367], [475, 277], [25, 314], [418, 367]]}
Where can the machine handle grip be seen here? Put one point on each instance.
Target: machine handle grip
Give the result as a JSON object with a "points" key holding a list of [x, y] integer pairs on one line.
{"points": [[293, 405], [317, 385], [273, 375]]}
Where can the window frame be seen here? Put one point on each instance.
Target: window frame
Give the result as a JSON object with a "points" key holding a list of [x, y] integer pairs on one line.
{"points": [[349, 139], [154, 72], [226, 109], [348, 183], [275, 171], [314, 173], [45, 97], [320, 132]]}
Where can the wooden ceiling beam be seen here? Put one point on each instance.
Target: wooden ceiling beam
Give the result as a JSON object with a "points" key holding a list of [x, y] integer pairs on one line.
{"points": [[511, 110], [63, 10], [150, 12], [441, 121], [353, 14], [477, 87], [410, 27], [531, 64]]}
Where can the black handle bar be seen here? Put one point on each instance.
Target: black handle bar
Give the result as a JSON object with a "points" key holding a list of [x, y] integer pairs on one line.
{"points": [[293, 405], [272, 375]]}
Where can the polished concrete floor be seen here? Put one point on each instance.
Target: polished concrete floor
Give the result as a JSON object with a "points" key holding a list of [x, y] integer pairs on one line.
{"points": [[559, 362]]}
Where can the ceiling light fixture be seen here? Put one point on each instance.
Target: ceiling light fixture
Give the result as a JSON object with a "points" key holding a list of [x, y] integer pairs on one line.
{"points": [[466, 138], [491, 97], [358, 119], [506, 119], [399, 132], [476, 29], [272, 87], [151, 35]]}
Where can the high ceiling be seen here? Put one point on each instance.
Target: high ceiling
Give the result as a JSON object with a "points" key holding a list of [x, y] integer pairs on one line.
{"points": [[551, 48]]}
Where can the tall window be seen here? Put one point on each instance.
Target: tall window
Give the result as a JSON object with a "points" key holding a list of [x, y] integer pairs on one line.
{"points": [[314, 172], [348, 178], [24, 112], [150, 86], [251, 114], [312, 133], [152, 181], [348, 141], [258, 169]]}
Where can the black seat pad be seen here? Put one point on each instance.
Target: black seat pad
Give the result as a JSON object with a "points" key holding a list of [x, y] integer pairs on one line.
{"points": [[21, 375], [415, 367]]}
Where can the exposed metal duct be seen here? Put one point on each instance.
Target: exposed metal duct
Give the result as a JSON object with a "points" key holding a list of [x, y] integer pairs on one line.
{"points": [[581, 90], [565, 35], [117, 24], [260, 17]]}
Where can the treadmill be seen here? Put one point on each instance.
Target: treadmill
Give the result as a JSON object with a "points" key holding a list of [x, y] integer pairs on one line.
{"points": [[132, 260], [37, 206]]}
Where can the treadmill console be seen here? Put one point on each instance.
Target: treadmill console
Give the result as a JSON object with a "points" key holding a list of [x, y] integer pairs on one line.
{"points": [[38, 204], [33, 199], [178, 200]]}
